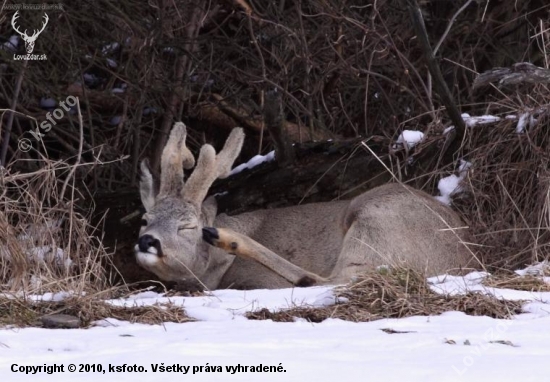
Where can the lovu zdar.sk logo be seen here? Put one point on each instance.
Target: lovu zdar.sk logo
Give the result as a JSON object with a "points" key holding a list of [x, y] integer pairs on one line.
{"points": [[29, 40]]}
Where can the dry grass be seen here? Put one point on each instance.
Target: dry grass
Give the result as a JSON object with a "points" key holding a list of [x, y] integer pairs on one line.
{"points": [[511, 281], [22, 312], [507, 199], [343, 71], [400, 293], [46, 244]]}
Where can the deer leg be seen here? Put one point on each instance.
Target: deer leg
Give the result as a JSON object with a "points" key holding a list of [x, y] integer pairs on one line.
{"points": [[243, 246]]}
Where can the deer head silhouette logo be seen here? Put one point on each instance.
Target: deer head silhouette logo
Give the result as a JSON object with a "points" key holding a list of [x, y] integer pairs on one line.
{"points": [[29, 40]]}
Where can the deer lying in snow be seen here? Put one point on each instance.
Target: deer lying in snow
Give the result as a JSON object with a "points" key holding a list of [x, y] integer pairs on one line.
{"points": [[183, 240]]}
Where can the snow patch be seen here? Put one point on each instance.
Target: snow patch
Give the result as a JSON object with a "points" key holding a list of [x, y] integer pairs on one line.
{"points": [[410, 138], [522, 122], [479, 120], [447, 347], [448, 129], [450, 185], [538, 269], [253, 162]]}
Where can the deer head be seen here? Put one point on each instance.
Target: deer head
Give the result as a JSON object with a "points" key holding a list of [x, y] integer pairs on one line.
{"points": [[170, 243], [29, 40]]}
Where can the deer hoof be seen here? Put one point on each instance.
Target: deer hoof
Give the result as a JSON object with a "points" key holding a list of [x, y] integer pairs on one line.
{"points": [[210, 235], [306, 281]]}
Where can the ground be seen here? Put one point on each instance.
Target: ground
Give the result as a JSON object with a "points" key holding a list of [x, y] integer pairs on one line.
{"points": [[448, 347]]}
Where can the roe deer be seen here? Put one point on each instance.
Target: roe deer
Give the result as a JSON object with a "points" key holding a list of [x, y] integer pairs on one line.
{"points": [[183, 240]]}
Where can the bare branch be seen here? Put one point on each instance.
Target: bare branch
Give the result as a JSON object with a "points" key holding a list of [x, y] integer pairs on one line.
{"points": [[520, 73]]}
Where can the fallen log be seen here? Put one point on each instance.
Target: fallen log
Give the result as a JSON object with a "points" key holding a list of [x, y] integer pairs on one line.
{"points": [[320, 172]]}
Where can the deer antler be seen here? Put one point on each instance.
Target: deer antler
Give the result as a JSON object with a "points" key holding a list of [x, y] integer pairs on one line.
{"points": [[24, 34], [174, 154], [36, 33], [211, 166], [15, 17]]}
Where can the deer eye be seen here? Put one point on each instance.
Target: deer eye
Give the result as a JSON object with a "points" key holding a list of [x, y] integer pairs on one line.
{"points": [[143, 222], [188, 226]]}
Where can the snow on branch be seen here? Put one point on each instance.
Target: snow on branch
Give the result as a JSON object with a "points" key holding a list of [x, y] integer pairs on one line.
{"points": [[520, 73]]}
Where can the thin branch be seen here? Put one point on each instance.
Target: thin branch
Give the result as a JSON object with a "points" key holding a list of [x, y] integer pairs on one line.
{"points": [[451, 22], [79, 155], [9, 124], [439, 82]]}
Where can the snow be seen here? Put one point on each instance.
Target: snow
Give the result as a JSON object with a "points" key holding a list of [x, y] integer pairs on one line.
{"points": [[253, 162], [46, 254], [539, 269], [448, 347], [522, 122], [29, 239], [452, 285], [410, 138], [450, 185], [479, 120], [446, 187]]}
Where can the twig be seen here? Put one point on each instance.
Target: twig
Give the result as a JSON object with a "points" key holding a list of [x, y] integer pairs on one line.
{"points": [[254, 41], [79, 155], [86, 98], [439, 82], [274, 121], [182, 66], [6, 140], [451, 22]]}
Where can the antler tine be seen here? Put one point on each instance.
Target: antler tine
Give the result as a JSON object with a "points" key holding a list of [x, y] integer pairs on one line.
{"points": [[211, 166], [15, 17], [36, 32], [196, 187], [175, 154], [230, 152]]}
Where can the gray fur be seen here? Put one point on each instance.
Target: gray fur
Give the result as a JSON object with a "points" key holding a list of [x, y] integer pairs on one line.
{"points": [[313, 243]]}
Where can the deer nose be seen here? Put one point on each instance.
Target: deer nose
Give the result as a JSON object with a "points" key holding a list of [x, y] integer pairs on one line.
{"points": [[147, 241]]}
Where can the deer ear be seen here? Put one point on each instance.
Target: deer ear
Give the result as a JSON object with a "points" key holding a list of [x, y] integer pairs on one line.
{"points": [[146, 186], [209, 210]]}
